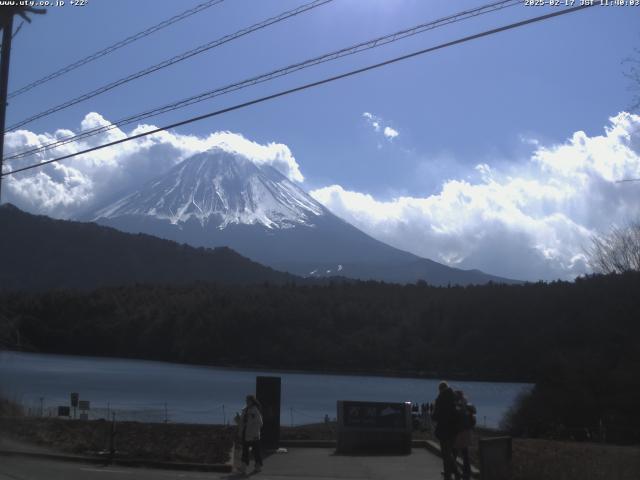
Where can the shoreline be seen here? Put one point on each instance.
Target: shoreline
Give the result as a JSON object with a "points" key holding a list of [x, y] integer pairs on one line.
{"points": [[265, 369]]}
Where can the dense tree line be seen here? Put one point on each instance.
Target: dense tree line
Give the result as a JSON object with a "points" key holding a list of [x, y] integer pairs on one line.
{"points": [[578, 341]]}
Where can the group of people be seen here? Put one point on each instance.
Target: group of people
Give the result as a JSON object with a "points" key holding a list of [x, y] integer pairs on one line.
{"points": [[455, 418], [425, 408]]}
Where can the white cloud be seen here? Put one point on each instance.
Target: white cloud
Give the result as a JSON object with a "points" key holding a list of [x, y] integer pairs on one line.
{"points": [[530, 222], [378, 125], [70, 187], [372, 120], [390, 132]]}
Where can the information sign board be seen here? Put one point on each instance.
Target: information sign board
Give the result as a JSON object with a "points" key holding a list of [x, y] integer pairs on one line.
{"points": [[375, 415], [374, 427]]}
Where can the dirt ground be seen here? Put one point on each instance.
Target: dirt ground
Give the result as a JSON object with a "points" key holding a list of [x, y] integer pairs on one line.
{"points": [[533, 459], [536, 459], [541, 459], [158, 441]]}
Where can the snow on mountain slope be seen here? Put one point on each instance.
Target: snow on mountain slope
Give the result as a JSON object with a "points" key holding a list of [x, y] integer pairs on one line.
{"points": [[220, 187], [218, 199]]}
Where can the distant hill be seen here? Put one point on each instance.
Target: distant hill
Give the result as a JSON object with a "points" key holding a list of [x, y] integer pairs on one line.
{"points": [[39, 252]]}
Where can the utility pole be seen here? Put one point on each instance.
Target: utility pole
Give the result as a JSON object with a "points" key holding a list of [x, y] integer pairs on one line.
{"points": [[7, 34], [6, 19]]}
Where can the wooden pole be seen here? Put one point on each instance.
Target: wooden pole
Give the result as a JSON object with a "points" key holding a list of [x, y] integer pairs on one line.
{"points": [[7, 34]]}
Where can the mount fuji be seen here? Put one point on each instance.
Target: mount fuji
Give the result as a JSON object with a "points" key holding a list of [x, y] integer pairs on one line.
{"points": [[217, 198]]}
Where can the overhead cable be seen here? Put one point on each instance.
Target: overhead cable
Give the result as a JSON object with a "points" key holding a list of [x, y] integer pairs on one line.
{"points": [[172, 61], [283, 93], [112, 48], [334, 55]]}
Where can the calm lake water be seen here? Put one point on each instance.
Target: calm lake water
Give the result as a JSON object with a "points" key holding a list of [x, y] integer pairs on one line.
{"points": [[151, 391]]}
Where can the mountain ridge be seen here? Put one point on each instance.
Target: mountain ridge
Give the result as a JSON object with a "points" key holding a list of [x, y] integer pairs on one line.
{"points": [[45, 253], [220, 199]]}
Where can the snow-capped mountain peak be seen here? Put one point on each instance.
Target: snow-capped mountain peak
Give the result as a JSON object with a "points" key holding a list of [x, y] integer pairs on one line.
{"points": [[218, 199], [220, 187]]}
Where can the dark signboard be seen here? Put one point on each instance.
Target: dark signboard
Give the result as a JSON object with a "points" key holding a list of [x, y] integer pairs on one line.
{"points": [[84, 405], [268, 392], [74, 399], [64, 411], [374, 415]]}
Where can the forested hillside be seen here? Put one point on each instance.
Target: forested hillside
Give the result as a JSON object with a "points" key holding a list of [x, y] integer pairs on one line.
{"points": [[489, 332], [47, 253], [578, 341]]}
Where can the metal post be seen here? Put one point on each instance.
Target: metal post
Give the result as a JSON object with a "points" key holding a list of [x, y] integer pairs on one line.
{"points": [[112, 436], [224, 416], [166, 415], [7, 33]]}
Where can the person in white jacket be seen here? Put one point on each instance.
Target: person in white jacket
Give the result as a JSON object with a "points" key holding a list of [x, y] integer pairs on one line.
{"points": [[249, 425]]}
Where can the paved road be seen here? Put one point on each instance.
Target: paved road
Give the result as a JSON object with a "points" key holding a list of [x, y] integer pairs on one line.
{"points": [[323, 464], [20, 468], [299, 463]]}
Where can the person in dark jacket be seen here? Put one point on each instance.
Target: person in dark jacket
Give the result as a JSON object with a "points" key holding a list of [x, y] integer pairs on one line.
{"points": [[466, 415], [444, 414]]}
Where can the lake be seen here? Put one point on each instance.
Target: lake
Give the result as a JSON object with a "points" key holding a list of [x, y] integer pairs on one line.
{"points": [[155, 391]]}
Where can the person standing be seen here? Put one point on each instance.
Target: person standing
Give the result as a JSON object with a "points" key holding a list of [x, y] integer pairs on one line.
{"points": [[444, 414], [250, 424], [466, 415]]}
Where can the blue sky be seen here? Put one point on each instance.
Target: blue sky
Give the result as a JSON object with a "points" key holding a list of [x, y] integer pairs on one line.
{"points": [[495, 102]]}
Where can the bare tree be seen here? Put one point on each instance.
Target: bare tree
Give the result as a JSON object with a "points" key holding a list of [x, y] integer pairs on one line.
{"points": [[617, 251]]}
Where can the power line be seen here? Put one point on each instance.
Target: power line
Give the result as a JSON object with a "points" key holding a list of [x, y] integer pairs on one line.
{"points": [[112, 48], [309, 85], [274, 74], [173, 60], [351, 50]]}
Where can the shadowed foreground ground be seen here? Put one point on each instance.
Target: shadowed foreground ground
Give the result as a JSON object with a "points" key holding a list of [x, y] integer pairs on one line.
{"points": [[533, 459]]}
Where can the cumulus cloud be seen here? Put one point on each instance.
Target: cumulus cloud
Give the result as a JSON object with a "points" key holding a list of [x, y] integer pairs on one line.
{"points": [[390, 132], [530, 222], [379, 125], [372, 120], [66, 189]]}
